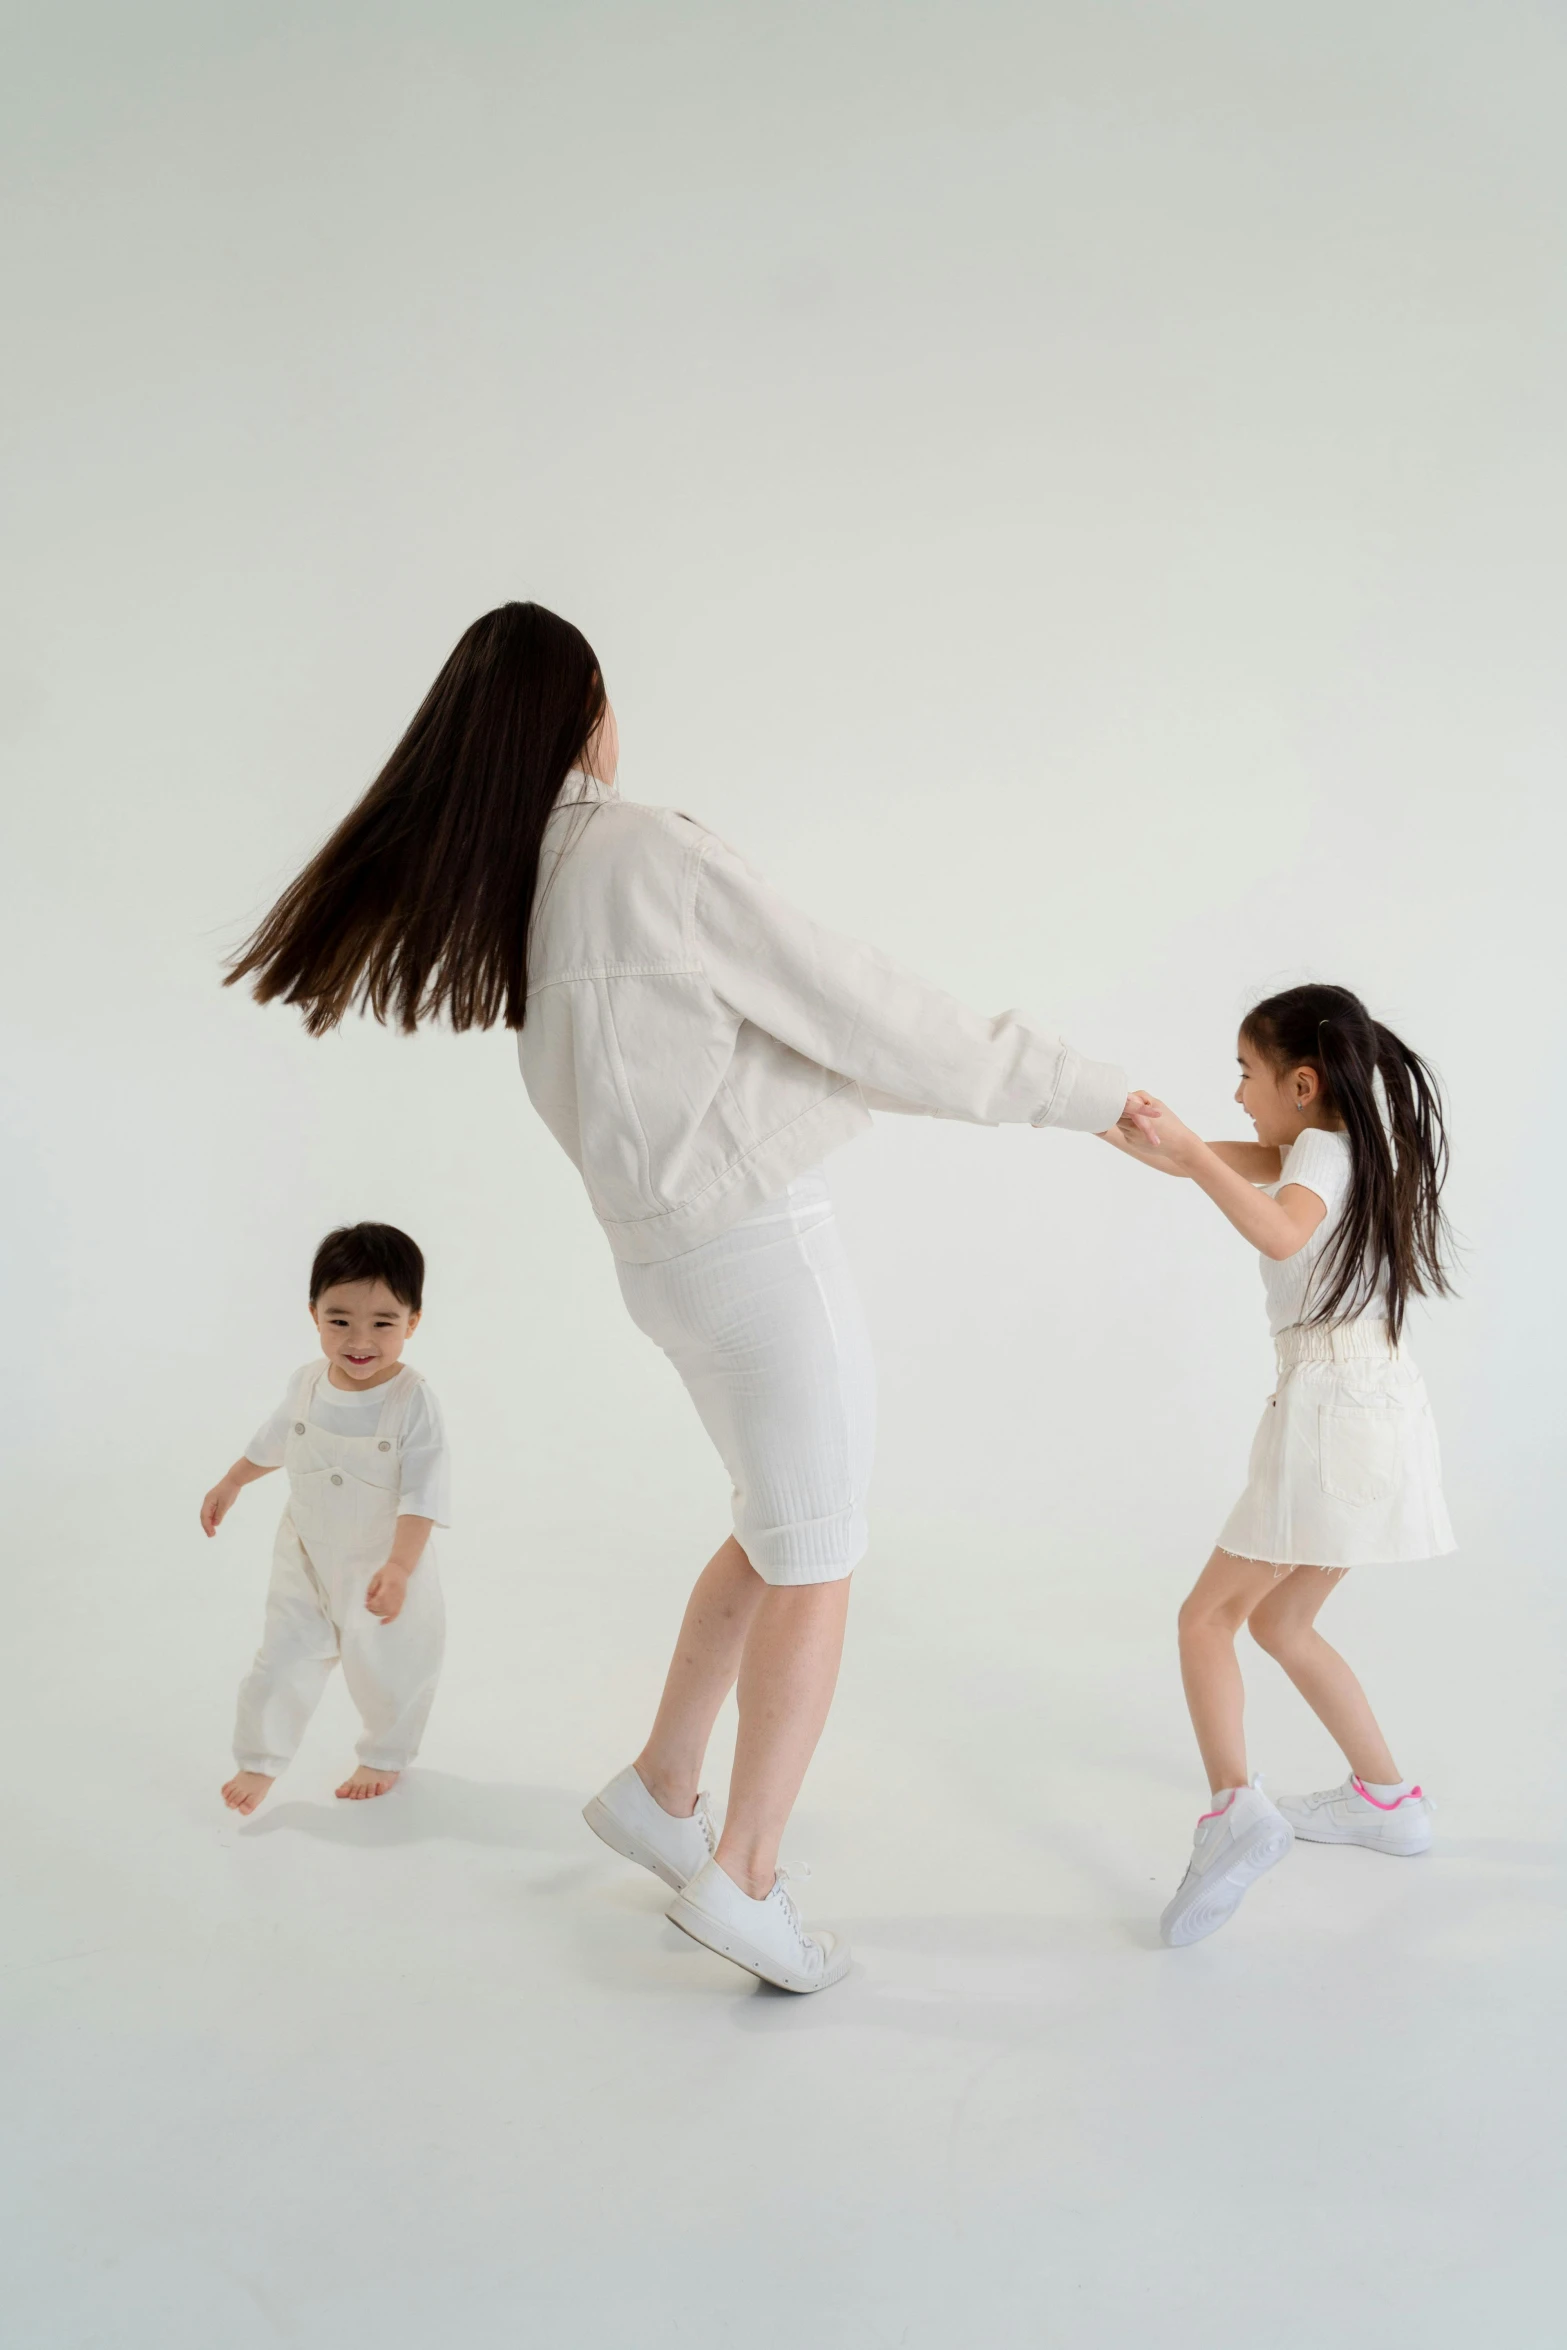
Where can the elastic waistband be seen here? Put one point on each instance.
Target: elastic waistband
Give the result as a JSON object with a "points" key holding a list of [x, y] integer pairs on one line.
{"points": [[1335, 1342]]}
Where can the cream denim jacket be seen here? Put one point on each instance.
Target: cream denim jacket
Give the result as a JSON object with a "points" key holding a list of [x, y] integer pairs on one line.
{"points": [[693, 1043]]}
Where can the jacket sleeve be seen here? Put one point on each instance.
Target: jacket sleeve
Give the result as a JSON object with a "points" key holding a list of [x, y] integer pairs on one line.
{"points": [[905, 1043]]}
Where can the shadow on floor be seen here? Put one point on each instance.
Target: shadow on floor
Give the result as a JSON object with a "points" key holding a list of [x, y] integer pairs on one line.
{"points": [[433, 1805], [998, 1981]]}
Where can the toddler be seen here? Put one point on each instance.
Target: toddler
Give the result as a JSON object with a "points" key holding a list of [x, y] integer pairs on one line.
{"points": [[353, 1570]]}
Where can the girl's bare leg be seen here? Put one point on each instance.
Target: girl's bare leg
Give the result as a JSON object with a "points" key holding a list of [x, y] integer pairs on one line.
{"points": [[1222, 1598], [702, 1671], [787, 1677], [1284, 1623]]}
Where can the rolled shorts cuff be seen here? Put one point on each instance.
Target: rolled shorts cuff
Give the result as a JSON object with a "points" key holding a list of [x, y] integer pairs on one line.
{"points": [[270, 1766], [823, 1550]]}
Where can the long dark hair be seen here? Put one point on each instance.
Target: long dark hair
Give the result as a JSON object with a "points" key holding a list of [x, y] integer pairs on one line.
{"points": [[1392, 1229], [420, 902]]}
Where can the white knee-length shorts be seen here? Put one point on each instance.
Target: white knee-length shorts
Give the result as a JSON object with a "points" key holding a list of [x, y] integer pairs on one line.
{"points": [[764, 1326]]}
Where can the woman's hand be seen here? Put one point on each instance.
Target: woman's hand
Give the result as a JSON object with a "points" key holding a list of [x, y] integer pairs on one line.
{"points": [[217, 1505], [388, 1589]]}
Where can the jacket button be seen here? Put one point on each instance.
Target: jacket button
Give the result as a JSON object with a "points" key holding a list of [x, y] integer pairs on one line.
{"points": [[383, 1446], [299, 1427], [336, 1479]]}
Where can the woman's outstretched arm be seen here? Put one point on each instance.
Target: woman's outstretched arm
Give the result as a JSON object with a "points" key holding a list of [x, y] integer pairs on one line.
{"points": [[850, 1008]]}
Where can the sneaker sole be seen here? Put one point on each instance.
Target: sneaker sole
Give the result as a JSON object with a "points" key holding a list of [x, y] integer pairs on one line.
{"points": [[1316, 1835], [714, 1935], [1261, 1849], [628, 1843]]}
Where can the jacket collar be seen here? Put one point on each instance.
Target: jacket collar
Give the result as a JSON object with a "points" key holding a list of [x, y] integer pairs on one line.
{"points": [[579, 787]]}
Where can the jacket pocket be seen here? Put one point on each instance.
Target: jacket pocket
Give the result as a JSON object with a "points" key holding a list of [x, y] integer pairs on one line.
{"points": [[1357, 1450]]}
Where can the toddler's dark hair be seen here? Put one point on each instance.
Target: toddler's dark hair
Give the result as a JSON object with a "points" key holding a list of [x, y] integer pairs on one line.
{"points": [[371, 1252], [1393, 1230]]}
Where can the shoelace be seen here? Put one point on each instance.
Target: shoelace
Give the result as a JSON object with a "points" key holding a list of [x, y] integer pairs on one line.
{"points": [[784, 1878]]}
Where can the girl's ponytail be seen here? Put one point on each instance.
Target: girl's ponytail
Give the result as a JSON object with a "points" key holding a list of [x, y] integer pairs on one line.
{"points": [[1391, 1241], [1414, 1108]]}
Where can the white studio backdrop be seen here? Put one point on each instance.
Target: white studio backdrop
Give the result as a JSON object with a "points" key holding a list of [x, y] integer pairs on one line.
{"points": [[1074, 493]]}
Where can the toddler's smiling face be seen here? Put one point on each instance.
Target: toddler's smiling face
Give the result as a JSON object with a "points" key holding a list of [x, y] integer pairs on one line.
{"points": [[363, 1330]]}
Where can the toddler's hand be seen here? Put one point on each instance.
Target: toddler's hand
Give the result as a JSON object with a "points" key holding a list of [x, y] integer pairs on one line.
{"points": [[217, 1505], [388, 1589]]}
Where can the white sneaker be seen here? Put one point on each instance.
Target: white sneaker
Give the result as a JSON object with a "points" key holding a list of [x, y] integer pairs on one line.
{"points": [[765, 1936], [627, 1818], [1348, 1815], [1230, 1851]]}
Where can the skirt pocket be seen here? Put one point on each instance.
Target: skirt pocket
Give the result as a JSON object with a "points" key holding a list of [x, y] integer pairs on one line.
{"points": [[1358, 1450]]}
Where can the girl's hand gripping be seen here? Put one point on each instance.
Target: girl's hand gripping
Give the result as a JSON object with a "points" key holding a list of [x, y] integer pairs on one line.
{"points": [[1136, 1132], [1169, 1135]]}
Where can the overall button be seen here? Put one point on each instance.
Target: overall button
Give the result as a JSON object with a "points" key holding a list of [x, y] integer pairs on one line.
{"points": [[299, 1427], [336, 1479], [383, 1446]]}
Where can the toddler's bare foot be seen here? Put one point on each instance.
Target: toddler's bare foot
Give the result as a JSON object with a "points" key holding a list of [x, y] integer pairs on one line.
{"points": [[245, 1790], [366, 1782]]}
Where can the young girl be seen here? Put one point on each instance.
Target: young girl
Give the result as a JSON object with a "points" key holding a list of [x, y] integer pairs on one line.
{"points": [[1341, 1194], [353, 1577]]}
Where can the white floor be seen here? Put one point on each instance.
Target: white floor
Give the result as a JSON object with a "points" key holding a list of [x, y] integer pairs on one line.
{"points": [[438, 2070]]}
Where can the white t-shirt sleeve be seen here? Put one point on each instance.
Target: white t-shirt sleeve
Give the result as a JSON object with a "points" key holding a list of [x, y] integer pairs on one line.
{"points": [[266, 1448], [1319, 1161], [426, 1463]]}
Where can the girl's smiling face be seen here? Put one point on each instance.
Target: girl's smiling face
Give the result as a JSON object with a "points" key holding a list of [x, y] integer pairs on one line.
{"points": [[1279, 1102], [363, 1330]]}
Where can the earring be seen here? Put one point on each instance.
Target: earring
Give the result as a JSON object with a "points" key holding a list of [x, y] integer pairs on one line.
{"points": [[1301, 1105]]}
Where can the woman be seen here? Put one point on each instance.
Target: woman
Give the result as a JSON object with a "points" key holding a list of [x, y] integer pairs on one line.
{"points": [[697, 1047]]}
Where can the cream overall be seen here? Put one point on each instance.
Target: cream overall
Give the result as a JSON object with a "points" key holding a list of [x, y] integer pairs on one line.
{"points": [[336, 1531]]}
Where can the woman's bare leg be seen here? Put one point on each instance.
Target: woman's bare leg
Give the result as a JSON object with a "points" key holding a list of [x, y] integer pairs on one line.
{"points": [[783, 1642], [787, 1677], [719, 1614], [1284, 1623], [1220, 1601]]}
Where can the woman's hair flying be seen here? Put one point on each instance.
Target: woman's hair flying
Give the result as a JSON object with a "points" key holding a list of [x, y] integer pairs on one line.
{"points": [[1392, 1231], [420, 902]]}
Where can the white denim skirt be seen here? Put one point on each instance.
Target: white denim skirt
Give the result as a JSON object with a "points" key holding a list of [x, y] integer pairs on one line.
{"points": [[1345, 1469], [764, 1326]]}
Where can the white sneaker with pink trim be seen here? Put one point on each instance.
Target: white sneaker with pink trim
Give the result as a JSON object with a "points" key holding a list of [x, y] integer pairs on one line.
{"points": [[1351, 1815], [1232, 1848]]}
